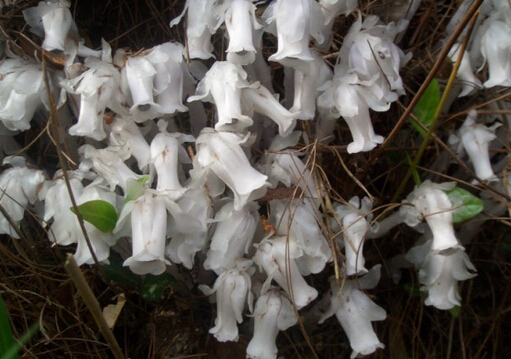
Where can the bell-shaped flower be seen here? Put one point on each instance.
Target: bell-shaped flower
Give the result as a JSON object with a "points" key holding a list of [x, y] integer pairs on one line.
{"points": [[297, 21], [306, 85], [222, 86], [276, 255], [233, 290], [166, 150], [221, 153], [167, 60], [140, 74], [430, 202], [273, 312], [189, 226], [109, 164], [355, 219], [240, 21], [97, 88], [439, 273], [201, 22], [496, 50], [469, 82], [233, 236], [21, 91], [356, 312], [54, 21], [126, 135], [18, 188], [148, 218], [475, 139], [345, 96], [298, 221]]}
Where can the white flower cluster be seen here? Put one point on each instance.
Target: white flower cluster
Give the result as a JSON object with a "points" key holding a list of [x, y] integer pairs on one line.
{"points": [[201, 208]]}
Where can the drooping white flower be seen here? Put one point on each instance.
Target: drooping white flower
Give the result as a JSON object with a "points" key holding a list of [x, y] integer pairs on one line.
{"points": [[430, 202], [277, 257], [233, 289], [469, 82], [475, 139], [18, 188], [347, 98], [296, 22], [240, 21], [331, 9], [355, 220], [233, 235], [148, 218], [201, 22], [21, 92], [166, 150], [221, 153], [496, 50], [355, 311], [97, 88], [167, 60], [273, 312], [439, 273]]}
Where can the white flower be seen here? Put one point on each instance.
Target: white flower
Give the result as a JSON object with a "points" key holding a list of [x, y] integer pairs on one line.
{"points": [[277, 257], [165, 153], [54, 21], [140, 75], [469, 82], [356, 226], [21, 91], [148, 214], [201, 22], [296, 21], [475, 139], [355, 311], [221, 153], [440, 273], [18, 187], [431, 203], [167, 60], [240, 21], [97, 88], [331, 9], [109, 164], [189, 226], [273, 312], [126, 135], [496, 50], [232, 289], [222, 85], [232, 237], [347, 97]]}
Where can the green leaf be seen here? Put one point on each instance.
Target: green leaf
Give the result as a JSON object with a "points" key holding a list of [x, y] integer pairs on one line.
{"points": [[465, 203], [455, 311], [153, 287], [100, 214], [425, 109], [116, 272]]}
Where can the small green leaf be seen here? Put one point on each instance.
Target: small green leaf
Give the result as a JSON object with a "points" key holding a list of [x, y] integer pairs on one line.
{"points": [[455, 311], [415, 173], [100, 214], [425, 109], [153, 287], [465, 203], [6, 339], [116, 272]]}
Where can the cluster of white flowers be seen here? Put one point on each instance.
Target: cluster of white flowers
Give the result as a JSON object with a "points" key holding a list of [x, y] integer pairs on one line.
{"points": [[174, 202]]}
